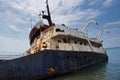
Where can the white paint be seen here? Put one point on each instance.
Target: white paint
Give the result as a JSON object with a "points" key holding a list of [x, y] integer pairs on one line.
{"points": [[54, 40]]}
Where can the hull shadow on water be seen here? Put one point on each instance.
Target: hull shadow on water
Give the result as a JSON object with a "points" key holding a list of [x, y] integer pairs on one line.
{"points": [[93, 72]]}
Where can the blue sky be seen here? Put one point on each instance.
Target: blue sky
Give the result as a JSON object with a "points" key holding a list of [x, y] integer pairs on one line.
{"points": [[15, 16]]}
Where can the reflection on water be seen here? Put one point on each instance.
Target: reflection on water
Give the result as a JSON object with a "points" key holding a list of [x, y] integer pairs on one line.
{"points": [[94, 72]]}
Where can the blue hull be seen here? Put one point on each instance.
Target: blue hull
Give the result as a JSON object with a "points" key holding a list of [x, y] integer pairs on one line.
{"points": [[47, 63]]}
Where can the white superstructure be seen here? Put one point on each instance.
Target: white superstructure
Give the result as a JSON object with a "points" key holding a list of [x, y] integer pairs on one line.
{"points": [[60, 37]]}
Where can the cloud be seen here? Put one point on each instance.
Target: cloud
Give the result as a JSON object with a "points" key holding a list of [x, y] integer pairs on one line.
{"points": [[107, 3], [10, 17], [14, 28], [27, 6], [112, 23], [93, 2], [66, 9], [75, 17]]}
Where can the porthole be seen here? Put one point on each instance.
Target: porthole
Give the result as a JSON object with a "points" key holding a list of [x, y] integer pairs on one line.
{"points": [[67, 57], [85, 57], [75, 57]]}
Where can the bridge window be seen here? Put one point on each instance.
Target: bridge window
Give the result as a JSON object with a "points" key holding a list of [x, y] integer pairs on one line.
{"points": [[65, 40], [59, 30]]}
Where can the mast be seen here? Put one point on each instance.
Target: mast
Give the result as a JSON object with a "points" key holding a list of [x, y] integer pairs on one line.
{"points": [[48, 17]]}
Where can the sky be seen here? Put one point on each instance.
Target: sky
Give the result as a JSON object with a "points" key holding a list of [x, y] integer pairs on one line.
{"points": [[17, 17]]}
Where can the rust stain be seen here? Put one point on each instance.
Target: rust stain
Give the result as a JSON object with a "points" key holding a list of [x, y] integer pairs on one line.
{"points": [[10, 72], [24, 76]]}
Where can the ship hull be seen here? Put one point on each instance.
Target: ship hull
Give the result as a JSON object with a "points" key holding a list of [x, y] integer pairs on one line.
{"points": [[48, 63]]}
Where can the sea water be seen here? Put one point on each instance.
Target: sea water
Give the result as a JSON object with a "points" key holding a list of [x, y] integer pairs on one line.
{"points": [[9, 57], [109, 70]]}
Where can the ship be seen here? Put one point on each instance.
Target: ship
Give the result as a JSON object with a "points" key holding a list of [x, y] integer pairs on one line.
{"points": [[54, 50]]}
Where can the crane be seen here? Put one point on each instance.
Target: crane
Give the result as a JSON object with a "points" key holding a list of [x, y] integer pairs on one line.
{"points": [[100, 33], [84, 30]]}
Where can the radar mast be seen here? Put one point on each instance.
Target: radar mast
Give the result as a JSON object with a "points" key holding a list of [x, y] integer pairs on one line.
{"points": [[48, 17]]}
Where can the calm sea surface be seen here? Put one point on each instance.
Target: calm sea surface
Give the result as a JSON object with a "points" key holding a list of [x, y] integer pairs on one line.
{"points": [[104, 71]]}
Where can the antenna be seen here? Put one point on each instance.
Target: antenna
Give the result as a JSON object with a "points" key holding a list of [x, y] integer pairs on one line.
{"points": [[46, 1], [40, 16], [48, 17], [30, 22]]}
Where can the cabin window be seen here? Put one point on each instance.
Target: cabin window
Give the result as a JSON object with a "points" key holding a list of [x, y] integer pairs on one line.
{"points": [[99, 46], [85, 44], [75, 42], [43, 42], [65, 40], [85, 57], [59, 41], [80, 43], [38, 37]]}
